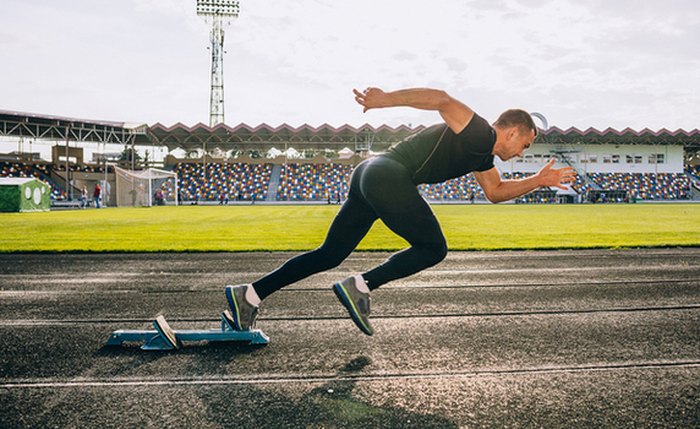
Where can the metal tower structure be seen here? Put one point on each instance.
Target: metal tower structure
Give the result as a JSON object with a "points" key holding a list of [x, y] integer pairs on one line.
{"points": [[218, 14]]}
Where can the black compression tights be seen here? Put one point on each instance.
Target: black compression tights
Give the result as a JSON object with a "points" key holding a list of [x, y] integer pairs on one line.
{"points": [[380, 188]]}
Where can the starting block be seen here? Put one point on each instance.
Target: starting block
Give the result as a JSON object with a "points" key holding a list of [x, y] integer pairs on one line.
{"points": [[166, 338]]}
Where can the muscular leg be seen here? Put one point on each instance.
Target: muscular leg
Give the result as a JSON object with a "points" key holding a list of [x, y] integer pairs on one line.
{"points": [[396, 200], [350, 225]]}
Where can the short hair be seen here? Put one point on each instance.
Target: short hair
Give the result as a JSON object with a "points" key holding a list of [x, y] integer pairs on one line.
{"points": [[516, 118]]}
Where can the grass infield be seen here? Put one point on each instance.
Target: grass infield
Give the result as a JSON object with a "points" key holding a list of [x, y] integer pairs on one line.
{"points": [[295, 228]]}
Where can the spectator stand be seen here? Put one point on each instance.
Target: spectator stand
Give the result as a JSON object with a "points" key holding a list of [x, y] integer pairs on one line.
{"points": [[237, 181]]}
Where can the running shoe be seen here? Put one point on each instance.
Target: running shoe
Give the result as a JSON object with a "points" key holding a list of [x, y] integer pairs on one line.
{"points": [[243, 312], [356, 302]]}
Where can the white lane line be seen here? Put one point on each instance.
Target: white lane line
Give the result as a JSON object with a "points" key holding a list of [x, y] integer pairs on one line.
{"points": [[545, 312], [322, 378], [19, 293], [112, 278]]}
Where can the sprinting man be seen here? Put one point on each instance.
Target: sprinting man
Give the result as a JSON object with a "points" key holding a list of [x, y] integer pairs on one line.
{"points": [[385, 187]]}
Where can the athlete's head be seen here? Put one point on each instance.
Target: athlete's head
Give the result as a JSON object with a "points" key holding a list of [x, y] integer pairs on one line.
{"points": [[515, 132]]}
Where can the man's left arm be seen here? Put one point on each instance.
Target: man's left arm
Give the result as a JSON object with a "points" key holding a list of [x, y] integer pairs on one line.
{"points": [[455, 113], [498, 190]]}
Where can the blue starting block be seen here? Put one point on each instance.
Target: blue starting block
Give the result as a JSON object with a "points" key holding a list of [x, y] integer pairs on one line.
{"points": [[166, 338]]}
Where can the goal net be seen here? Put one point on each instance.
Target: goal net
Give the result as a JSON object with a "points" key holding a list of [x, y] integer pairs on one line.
{"points": [[146, 188]]}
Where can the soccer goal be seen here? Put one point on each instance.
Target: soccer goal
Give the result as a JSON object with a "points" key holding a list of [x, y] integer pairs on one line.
{"points": [[146, 188]]}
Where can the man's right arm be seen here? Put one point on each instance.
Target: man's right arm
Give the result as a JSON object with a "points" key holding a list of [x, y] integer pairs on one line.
{"points": [[455, 114]]}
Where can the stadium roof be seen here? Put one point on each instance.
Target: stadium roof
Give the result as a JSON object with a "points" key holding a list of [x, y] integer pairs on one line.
{"points": [[33, 125], [265, 137], [246, 137], [663, 136]]}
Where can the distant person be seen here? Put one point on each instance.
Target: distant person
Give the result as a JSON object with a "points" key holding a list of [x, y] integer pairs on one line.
{"points": [[160, 197], [84, 197], [471, 197], [385, 187], [223, 199], [97, 194]]}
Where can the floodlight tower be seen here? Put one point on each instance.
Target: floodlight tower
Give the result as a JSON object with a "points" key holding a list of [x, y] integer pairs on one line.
{"points": [[217, 13]]}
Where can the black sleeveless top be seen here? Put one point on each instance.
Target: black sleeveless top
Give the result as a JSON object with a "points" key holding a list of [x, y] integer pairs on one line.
{"points": [[437, 154]]}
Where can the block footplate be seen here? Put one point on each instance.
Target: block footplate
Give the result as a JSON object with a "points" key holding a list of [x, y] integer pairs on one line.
{"points": [[161, 337]]}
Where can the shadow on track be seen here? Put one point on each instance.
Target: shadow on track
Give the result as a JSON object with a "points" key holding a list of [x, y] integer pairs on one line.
{"points": [[206, 357], [331, 405]]}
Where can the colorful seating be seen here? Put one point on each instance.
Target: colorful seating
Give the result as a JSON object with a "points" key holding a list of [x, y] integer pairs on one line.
{"points": [[314, 182], [330, 181], [236, 181], [645, 186]]}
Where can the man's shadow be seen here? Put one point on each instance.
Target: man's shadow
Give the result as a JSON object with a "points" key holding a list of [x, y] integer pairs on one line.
{"points": [[331, 405]]}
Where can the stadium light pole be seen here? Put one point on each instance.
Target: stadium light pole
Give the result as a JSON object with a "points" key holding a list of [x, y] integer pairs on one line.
{"points": [[68, 184], [217, 13]]}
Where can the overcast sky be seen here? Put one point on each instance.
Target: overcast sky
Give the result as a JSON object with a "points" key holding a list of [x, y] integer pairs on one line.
{"points": [[581, 63]]}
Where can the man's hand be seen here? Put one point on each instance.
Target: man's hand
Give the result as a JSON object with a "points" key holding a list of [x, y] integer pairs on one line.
{"points": [[555, 177], [371, 98]]}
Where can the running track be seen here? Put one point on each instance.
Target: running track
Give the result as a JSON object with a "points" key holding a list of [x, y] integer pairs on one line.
{"points": [[594, 338]]}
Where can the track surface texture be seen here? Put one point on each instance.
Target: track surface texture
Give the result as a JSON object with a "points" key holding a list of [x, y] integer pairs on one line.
{"points": [[553, 339]]}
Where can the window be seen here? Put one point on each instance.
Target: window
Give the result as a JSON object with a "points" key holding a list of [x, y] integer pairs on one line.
{"points": [[656, 158], [616, 159], [638, 159], [593, 159], [607, 159]]}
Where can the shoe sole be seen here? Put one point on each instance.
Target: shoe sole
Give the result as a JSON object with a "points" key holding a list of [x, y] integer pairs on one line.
{"points": [[349, 305], [233, 304]]}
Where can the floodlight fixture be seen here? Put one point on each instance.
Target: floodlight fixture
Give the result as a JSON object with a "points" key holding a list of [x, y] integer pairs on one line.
{"points": [[217, 13], [218, 7]]}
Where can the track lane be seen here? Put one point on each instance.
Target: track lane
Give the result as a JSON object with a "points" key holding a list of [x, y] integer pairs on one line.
{"points": [[500, 339], [391, 301], [623, 398], [406, 345]]}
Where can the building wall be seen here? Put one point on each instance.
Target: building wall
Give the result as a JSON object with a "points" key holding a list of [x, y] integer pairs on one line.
{"points": [[601, 158]]}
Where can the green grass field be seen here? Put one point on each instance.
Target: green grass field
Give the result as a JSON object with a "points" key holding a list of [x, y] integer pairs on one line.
{"points": [[257, 228]]}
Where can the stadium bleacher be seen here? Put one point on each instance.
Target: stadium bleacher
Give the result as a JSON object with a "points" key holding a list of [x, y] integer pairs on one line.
{"points": [[330, 181], [646, 186], [83, 168], [39, 171], [237, 181], [314, 182], [319, 182], [460, 188]]}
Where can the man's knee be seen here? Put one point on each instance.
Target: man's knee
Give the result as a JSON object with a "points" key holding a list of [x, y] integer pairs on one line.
{"points": [[328, 258], [436, 252]]}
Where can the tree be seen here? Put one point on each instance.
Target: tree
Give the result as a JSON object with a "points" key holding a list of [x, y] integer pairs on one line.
{"points": [[125, 158]]}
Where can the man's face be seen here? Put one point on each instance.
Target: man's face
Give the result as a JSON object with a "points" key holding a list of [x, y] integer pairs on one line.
{"points": [[518, 140]]}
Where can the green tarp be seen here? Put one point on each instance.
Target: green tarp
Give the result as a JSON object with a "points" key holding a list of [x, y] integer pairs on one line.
{"points": [[24, 195]]}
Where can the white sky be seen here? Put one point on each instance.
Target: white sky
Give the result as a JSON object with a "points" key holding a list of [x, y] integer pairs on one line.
{"points": [[581, 63]]}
